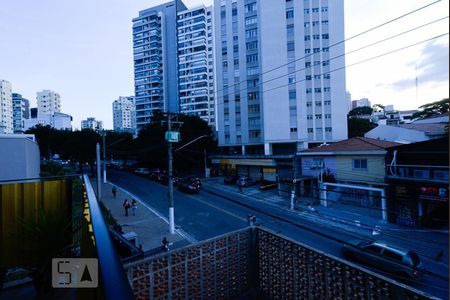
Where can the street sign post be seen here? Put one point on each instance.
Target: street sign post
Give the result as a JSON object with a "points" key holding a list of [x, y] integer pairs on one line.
{"points": [[172, 136]]}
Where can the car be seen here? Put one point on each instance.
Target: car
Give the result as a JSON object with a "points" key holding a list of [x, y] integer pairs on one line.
{"points": [[230, 180], [194, 180], [385, 257], [246, 181], [142, 171], [188, 187]]}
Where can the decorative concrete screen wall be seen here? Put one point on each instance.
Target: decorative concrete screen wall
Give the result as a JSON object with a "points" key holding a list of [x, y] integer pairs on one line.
{"points": [[214, 269], [255, 263]]}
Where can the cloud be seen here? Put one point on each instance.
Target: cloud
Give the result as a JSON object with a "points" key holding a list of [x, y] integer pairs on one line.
{"points": [[432, 68]]}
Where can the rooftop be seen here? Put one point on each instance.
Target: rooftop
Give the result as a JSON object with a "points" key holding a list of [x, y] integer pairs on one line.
{"points": [[428, 128], [353, 144]]}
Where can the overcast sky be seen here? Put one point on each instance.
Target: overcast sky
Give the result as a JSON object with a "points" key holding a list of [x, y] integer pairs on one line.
{"points": [[83, 50]]}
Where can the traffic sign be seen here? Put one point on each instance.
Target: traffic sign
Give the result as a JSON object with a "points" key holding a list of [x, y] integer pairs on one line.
{"points": [[172, 136]]}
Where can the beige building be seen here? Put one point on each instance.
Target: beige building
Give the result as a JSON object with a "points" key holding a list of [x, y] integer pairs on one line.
{"points": [[48, 102]]}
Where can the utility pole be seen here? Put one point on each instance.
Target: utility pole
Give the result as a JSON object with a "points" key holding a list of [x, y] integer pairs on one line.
{"points": [[170, 155], [104, 156], [206, 169], [99, 187]]}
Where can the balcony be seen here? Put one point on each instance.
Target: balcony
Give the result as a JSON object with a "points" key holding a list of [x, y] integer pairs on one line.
{"points": [[437, 174], [42, 219]]}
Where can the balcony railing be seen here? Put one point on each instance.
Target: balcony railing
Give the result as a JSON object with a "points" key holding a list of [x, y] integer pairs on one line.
{"points": [[418, 172]]}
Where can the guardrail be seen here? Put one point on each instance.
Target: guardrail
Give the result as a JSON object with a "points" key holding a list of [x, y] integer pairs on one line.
{"points": [[113, 278]]}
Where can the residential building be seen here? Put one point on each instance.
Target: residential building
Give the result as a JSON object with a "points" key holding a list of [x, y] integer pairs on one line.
{"points": [[357, 162], [6, 107], [409, 133], [19, 157], [48, 102], [57, 120], [92, 123], [21, 111], [417, 178], [275, 93], [361, 102], [124, 114], [155, 60], [195, 59]]}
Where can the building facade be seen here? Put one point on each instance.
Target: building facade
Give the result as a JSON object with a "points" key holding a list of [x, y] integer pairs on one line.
{"points": [[361, 102], [275, 88], [21, 111], [196, 63], [48, 103], [6, 107], [155, 60], [92, 123], [124, 114], [58, 120]]}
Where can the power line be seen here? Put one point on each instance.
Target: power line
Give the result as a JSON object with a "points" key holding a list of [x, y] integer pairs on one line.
{"points": [[344, 40]]}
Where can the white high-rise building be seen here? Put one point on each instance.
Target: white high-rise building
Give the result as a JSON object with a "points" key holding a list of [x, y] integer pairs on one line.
{"points": [[361, 102], [48, 103], [276, 84], [124, 114], [92, 123], [6, 107], [196, 63]]}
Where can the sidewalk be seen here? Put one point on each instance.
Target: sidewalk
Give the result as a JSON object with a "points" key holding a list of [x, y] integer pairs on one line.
{"points": [[148, 224], [338, 215]]}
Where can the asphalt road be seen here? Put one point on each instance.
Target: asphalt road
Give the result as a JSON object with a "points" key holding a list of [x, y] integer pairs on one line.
{"points": [[206, 215]]}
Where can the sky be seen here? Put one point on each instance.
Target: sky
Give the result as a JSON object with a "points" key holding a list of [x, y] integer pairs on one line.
{"points": [[83, 50]]}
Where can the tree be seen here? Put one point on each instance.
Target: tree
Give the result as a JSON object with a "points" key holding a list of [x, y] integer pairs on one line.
{"points": [[432, 109], [378, 107], [358, 127], [361, 111]]}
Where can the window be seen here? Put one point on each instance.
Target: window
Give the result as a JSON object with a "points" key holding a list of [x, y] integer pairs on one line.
{"points": [[251, 20], [317, 90], [234, 11], [316, 36], [360, 164], [252, 45], [327, 116], [307, 51], [392, 255], [325, 63], [309, 90], [251, 33], [326, 76], [327, 129], [306, 11], [307, 64], [290, 46], [308, 77], [326, 89], [293, 129], [254, 134], [327, 102], [316, 76], [292, 94], [325, 36], [315, 23], [325, 49], [325, 22], [308, 104], [315, 9], [306, 24], [289, 14], [324, 9], [307, 37], [252, 57], [310, 130], [250, 7], [290, 30], [318, 117], [316, 50], [309, 117], [318, 103]]}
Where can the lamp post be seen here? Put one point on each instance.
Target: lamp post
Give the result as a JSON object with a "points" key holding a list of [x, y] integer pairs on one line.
{"points": [[104, 156]]}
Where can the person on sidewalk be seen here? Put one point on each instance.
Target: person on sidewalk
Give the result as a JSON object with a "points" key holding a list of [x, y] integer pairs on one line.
{"points": [[126, 205], [114, 191], [133, 207], [239, 186], [165, 243]]}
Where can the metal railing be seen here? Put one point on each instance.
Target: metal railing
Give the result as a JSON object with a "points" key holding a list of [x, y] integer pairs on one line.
{"points": [[112, 276]]}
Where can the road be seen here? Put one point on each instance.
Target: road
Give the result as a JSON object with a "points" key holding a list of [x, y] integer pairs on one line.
{"points": [[206, 215]]}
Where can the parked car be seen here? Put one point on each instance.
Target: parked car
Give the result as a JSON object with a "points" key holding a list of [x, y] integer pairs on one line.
{"points": [[188, 187], [246, 181], [230, 180], [142, 171], [388, 258], [194, 180]]}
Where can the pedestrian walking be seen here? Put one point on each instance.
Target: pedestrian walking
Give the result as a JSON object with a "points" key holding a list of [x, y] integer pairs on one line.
{"points": [[126, 205], [133, 206], [114, 191], [240, 187], [165, 243]]}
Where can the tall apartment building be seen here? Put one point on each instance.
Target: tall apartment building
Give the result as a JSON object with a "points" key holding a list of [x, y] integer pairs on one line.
{"points": [[92, 123], [21, 112], [155, 60], [277, 87], [48, 103], [6, 107], [196, 63], [361, 102], [124, 114]]}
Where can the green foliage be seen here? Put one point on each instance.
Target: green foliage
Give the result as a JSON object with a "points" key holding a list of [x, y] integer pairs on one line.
{"points": [[109, 219], [358, 127], [361, 111], [432, 109], [52, 168], [378, 107]]}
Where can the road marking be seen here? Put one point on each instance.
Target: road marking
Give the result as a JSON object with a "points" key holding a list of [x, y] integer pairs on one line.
{"points": [[180, 231], [219, 208]]}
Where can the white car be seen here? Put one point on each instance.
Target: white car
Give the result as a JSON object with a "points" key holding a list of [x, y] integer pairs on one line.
{"points": [[142, 171]]}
